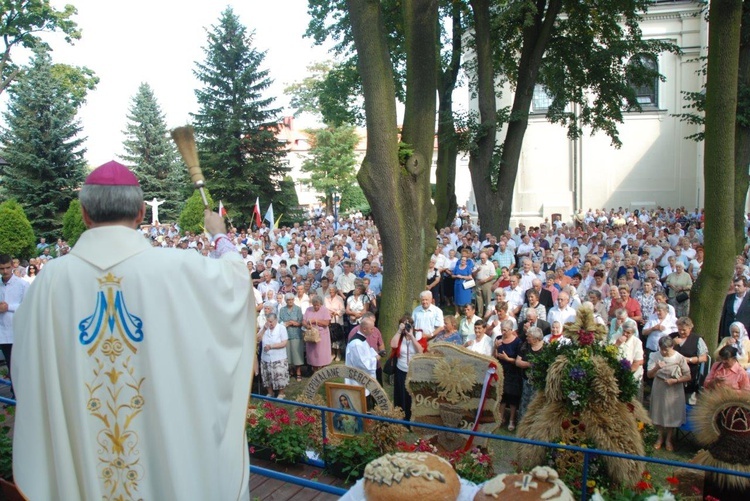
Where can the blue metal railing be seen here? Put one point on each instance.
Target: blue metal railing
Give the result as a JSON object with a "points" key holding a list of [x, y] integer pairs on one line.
{"points": [[5, 400], [587, 453]]}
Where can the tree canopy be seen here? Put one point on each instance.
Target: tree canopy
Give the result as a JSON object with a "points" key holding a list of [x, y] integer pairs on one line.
{"points": [[42, 142], [332, 162], [21, 24], [236, 125], [73, 225]]}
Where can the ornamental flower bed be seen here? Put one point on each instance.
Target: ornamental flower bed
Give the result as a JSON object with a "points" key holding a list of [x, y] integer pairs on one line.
{"points": [[285, 436]]}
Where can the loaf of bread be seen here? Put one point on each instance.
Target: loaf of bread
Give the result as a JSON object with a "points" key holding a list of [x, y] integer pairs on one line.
{"points": [[542, 483], [410, 477]]}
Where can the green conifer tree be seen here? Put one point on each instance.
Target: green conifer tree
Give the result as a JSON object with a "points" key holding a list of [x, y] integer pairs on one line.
{"points": [[236, 126], [152, 154], [42, 144]]}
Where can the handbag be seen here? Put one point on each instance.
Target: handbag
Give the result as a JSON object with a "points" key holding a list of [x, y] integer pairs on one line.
{"points": [[468, 284], [311, 335], [682, 297], [389, 368], [337, 332]]}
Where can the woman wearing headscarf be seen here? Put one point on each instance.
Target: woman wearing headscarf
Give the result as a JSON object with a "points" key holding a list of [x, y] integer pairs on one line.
{"points": [[739, 339]]}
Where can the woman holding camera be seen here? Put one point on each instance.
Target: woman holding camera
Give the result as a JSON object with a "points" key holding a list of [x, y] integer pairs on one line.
{"points": [[405, 342]]}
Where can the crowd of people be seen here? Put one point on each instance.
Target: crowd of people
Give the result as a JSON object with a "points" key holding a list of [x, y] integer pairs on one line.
{"points": [[317, 288]]}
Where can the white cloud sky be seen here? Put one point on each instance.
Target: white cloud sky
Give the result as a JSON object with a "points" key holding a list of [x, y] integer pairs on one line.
{"points": [[158, 42]]}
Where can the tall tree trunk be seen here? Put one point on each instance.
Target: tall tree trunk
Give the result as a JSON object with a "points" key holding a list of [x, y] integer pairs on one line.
{"points": [[719, 168], [480, 159], [445, 175], [399, 194], [497, 204], [742, 135]]}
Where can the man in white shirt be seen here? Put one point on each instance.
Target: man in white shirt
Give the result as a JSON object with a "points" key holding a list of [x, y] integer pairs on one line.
{"points": [[484, 275], [12, 291], [514, 295], [345, 281], [268, 284], [428, 318], [563, 312]]}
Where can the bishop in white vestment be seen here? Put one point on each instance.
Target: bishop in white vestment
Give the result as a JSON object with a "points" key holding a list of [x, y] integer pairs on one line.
{"points": [[133, 364]]}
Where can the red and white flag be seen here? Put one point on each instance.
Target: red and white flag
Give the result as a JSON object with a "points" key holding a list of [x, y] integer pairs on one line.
{"points": [[222, 210], [256, 213]]}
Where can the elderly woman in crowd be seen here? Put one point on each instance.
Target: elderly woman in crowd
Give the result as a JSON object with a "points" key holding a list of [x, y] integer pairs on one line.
{"points": [[691, 346], [500, 315], [533, 300], [334, 303], [533, 346], [318, 317], [507, 347], [727, 372], [450, 333], [669, 371], [481, 342], [679, 284], [616, 325], [356, 304], [302, 299], [467, 322], [406, 344], [290, 316], [658, 327], [274, 365], [631, 349], [500, 295], [739, 339]]}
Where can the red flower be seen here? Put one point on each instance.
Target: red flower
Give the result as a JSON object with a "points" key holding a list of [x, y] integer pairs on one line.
{"points": [[252, 450], [711, 498], [565, 424], [673, 480], [582, 427], [631, 407], [285, 419], [642, 486]]}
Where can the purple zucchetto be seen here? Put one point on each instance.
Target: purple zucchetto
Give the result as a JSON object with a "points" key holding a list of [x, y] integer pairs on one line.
{"points": [[112, 174]]}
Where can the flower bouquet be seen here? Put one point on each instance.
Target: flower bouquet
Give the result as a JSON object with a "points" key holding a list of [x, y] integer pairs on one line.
{"points": [[286, 436], [586, 397]]}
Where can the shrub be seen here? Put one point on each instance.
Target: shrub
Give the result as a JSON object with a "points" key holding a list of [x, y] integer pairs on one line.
{"points": [[16, 234], [73, 225], [192, 217]]}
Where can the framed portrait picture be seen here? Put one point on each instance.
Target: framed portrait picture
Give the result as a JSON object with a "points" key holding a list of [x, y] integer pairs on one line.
{"points": [[350, 398]]}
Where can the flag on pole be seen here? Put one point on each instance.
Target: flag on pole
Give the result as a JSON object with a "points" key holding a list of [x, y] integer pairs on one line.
{"points": [[278, 219], [269, 216], [256, 213], [222, 210]]}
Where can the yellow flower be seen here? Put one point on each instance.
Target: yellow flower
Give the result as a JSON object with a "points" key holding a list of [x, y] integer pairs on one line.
{"points": [[641, 425], [591, 483]]}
